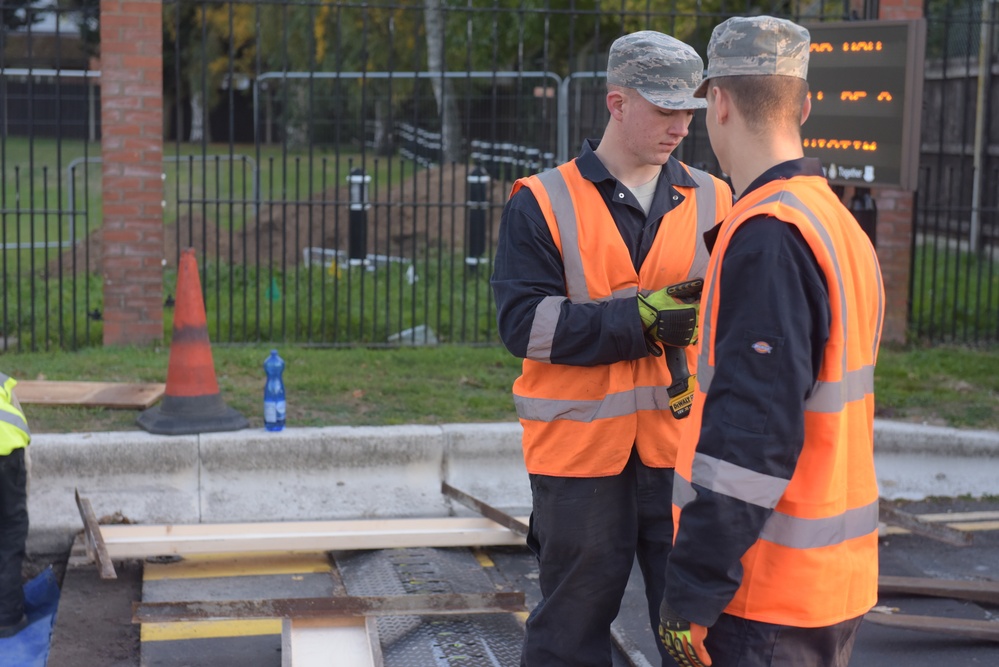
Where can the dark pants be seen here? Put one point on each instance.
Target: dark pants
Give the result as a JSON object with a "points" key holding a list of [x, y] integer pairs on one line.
{"points": [[13, 534], [737, 642], [586, 533]]}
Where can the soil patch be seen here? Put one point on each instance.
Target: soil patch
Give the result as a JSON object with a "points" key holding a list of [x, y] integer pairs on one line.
{"points": [[428, 210]]}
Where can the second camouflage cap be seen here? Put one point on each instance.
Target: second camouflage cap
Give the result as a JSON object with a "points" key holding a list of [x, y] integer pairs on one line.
{"points": [[664, 70], [756, 46]]}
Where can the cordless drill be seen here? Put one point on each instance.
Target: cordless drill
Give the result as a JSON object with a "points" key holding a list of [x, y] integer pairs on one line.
{"points": [[681, 388]]}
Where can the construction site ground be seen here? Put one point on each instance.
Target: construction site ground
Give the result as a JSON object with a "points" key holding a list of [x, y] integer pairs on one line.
{"points": [[94, 621]]}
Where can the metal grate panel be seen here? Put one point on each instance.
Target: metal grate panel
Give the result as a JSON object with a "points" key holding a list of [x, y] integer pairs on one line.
{"points": [[420, 641]]}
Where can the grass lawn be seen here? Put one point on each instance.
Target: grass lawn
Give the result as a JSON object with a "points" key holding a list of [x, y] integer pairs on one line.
{"points": [[947, 386]]}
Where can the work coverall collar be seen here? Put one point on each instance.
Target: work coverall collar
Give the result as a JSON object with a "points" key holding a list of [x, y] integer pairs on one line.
{"points": [[805, 166]]}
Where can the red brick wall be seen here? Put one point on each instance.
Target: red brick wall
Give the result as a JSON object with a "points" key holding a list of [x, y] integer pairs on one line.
{"points": [[895, 223], [132, 152]]}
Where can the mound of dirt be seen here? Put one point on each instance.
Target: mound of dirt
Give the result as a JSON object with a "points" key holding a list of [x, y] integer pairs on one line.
{"points": [[427, 210]]}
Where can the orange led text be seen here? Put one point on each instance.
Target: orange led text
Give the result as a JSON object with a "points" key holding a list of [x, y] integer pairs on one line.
{"points": [[841, 144]]}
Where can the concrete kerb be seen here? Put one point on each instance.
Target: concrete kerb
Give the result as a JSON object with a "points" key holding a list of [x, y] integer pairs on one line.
{"points": [[313, 474], [299, 474], [915, 461]]}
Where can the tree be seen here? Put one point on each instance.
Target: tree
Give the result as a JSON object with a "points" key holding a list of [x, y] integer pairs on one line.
{"points": [[17, 14], [88, 18], [204, 47], [434, 20]]}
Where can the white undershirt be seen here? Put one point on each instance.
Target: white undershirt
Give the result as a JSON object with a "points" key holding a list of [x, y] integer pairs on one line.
{"points": [[645, 192]]}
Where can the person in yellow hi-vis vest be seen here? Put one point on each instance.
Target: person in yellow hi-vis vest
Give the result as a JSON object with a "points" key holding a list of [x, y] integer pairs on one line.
{"points": [[14, 439]]}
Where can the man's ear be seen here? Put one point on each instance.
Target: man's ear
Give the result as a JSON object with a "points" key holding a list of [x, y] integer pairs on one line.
{"points": [[615, 104], [806, 109], [721, 104]]}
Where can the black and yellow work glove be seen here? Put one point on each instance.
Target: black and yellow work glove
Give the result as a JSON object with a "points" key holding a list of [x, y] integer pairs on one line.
{"points": [[683, 640], [669, 317]]}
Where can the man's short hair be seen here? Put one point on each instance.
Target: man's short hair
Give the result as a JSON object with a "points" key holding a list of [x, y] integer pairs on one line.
{"points": [[766, 101]]}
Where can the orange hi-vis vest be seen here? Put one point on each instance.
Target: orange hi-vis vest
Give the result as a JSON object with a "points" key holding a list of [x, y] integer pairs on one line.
{"points": [[816, 561], [582, 421]]}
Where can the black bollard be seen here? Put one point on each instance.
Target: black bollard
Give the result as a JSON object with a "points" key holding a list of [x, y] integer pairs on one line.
{"points": [[478, 202], [357, 239]]}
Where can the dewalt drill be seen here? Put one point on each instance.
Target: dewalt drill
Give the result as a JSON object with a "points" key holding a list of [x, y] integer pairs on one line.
{"points": [[667, 325]]}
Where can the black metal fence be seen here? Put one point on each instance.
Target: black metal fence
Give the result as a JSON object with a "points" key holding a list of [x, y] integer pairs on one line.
{"points": [[955, 253], [341, 167]]}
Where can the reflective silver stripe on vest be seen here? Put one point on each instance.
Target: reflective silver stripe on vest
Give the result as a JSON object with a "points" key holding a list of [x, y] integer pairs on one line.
{"points": [[737, 482], [15, 420], [620, 404], [565, 219], [833, 396], [798, 533], [10, 414], [550, 409], [539, 345], [830, 395], [704, 197]]}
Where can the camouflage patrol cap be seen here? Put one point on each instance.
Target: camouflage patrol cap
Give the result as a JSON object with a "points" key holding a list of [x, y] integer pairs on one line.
{"points": [[756, 46], [663, 70]]}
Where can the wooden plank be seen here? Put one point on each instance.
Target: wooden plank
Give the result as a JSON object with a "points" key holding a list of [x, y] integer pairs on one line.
{"points": [[976, 591], [336, 642], [124, 541], [961, 627], [972, 526], [96, 548], [943, 533], [118, 395], [422, 604], [488, 511], [952, 517], [964, 526]]}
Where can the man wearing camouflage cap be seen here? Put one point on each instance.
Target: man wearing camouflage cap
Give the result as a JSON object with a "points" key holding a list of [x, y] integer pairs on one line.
{"points": [[584, 254], [776, 501]]}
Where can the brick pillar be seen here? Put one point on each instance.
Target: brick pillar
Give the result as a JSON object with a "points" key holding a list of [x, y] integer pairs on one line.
{"points": [[895, 219], [132, 152]]}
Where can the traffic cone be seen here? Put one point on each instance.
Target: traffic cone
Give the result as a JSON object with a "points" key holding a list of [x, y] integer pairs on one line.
{"points": [[191, 402]]}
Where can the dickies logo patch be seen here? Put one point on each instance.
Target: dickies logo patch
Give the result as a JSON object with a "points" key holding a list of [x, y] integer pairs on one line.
{"points": [[762, 347]]}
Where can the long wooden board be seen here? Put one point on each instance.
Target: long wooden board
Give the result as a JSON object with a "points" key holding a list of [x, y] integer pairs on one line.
{"points": [[124, 541], [119, 395]]}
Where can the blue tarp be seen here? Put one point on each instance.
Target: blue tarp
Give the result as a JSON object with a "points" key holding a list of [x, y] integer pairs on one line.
{"points": [[30, 647]]}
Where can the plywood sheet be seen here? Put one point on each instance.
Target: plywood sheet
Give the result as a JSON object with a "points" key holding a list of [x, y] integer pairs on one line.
{"points": [[121, 395]]}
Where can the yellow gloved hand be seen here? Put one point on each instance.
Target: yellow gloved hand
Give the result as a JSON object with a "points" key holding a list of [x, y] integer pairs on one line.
{"points": [[684, 641], [670, 315]]}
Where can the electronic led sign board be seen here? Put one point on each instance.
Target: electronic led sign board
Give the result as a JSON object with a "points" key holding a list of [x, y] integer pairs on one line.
{"points": [[865, 83]]}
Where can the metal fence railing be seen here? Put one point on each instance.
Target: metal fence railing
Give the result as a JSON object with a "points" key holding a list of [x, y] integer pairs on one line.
{"points": [[340, 168], [954, 293]]}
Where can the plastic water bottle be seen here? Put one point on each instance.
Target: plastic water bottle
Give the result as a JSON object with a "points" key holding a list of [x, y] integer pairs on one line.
{"points": [[274, 404]]}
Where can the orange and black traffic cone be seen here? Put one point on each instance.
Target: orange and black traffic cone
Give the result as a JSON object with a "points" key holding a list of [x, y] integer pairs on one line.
{"points": [[191, 402]]}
